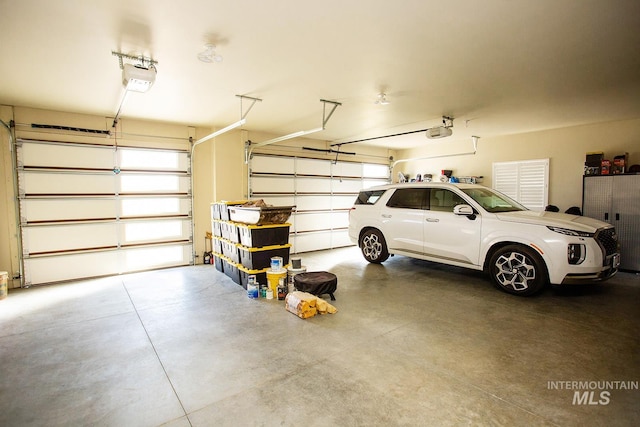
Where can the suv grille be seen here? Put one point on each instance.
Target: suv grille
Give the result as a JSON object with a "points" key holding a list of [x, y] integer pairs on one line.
{"points": [[608, 240]]}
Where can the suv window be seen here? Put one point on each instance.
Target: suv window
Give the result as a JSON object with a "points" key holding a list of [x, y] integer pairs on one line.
{"points": [[409, 198], [369, 197], [444, 200]]}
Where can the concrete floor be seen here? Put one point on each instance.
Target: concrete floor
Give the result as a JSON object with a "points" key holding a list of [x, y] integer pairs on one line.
{"points": [[413, 343]]}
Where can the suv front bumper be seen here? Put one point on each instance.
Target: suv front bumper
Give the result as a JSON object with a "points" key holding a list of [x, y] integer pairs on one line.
{"points": [[608, 271]]}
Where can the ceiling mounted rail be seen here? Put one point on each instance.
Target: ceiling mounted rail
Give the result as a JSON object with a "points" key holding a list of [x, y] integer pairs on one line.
{"points": [[378, 137], [446, 121], [325, 119], [242, 121], [474, 139], [144, 61]]}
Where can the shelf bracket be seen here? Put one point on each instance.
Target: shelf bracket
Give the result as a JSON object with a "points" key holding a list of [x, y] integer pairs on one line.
{"points": [[325, 117]]}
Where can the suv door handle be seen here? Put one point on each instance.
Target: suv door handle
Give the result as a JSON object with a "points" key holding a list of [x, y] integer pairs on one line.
{"points": [[386, 216], [433, 220]]}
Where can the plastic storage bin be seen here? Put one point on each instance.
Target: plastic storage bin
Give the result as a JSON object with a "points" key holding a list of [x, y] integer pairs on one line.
{"points": [[256, 236], [230, 250], [217, 244], [229, 231], [221, 209], [217, 260], [231, 269], [261, 275], [259, 258], [260, 215], [216, 226]]}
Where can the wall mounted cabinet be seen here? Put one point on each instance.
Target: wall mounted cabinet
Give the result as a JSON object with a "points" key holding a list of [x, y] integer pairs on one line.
{"points": [[616, 199]]}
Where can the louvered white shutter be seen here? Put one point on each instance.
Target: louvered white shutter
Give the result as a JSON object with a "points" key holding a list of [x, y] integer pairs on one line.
{"points": [[526, 181]]}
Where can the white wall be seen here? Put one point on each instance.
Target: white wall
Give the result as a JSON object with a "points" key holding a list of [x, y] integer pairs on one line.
{"points": [[566, 148]]}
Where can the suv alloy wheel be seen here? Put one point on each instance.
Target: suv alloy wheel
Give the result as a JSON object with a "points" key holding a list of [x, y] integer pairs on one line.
{"points": [[517, 270], [374, 248]]}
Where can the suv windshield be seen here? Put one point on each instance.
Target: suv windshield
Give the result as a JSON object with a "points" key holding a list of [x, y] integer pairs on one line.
{"points": [[492, 201]]}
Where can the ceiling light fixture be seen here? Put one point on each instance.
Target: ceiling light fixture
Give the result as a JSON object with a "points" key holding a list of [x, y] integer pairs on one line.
{"points": [[209, 54], [382, 99]]}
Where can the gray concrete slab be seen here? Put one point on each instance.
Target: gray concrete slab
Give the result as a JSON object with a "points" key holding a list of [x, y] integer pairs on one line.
{"points": [[413, 343]]}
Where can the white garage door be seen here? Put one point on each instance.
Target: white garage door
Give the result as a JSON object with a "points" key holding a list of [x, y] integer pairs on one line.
{"points": [[323, 191], [90, 210]]}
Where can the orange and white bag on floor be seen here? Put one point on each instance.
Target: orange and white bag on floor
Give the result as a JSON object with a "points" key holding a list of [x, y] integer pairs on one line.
{"points": [[305, 305], [301, 304]]}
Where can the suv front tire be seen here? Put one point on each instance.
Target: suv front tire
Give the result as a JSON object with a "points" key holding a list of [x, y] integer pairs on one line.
{"points": [[517, 270]]}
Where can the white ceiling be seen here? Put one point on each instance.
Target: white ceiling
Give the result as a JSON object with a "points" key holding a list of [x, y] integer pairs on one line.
{"points": [[497, 66]]}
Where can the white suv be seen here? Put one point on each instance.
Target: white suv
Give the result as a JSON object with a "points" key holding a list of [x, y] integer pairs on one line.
{"points": [[472, 226]]}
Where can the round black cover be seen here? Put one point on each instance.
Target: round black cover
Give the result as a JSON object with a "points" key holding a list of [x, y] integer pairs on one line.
{"points": [[316, 282]]}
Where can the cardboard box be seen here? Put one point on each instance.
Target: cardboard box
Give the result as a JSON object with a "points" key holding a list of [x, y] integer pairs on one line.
{"points": [[620, 164]]}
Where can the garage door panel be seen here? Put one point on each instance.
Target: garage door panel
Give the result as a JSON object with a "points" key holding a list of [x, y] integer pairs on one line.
{"points": [[313, 185], [346, 185], [272, 185], [157, 160], [70, 267], [153, 183], [146, 258], [346, 169], [370, 170], [313, 202], [135, 232], [55, 238], [131, 207], [65, 156], [312, 241], [271, 164], [313, 167], [340, 219], [36, 183], [343, 202], [340, 238], [103, 263], [35, 210], [313, 221]]}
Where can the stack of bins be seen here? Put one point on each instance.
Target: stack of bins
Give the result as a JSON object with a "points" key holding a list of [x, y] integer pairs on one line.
{"points": [[258, 244], [225, 240], [242, 249]]}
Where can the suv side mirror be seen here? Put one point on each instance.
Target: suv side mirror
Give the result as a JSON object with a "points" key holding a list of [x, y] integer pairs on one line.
{"points": [[464, 210]]}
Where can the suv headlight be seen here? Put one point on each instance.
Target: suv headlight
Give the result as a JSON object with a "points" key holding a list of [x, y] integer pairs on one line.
{"points": [[569, 232]]}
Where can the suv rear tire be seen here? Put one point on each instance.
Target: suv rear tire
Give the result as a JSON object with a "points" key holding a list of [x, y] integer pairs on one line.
{"points": [[373, 246], [517, 270]]}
